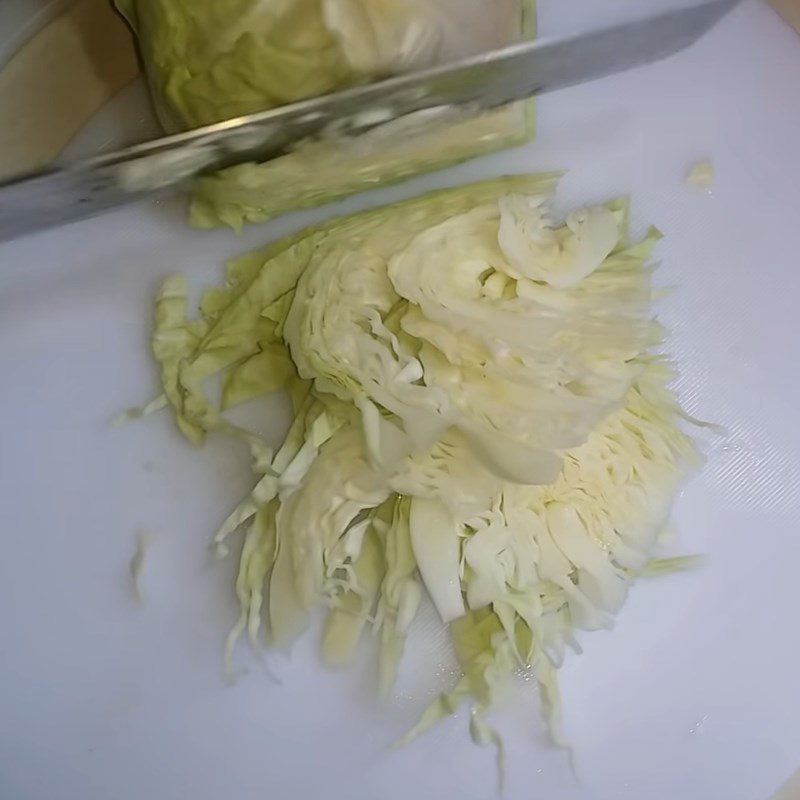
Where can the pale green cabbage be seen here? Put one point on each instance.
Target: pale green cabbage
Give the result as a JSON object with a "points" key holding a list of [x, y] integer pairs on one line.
{"points": [[210, 60], [478, 416], [386, 36]]}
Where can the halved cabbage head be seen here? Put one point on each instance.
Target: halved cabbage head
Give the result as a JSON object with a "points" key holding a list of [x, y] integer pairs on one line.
{"points": [[477, 415], [210, 60]]}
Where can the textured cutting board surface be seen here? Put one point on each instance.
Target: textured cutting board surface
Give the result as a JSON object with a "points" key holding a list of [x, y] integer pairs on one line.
{"points": [[58, 78], [693, 695]]}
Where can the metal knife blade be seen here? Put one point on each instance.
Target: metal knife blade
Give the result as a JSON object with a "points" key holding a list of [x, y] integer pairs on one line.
{"points": [[62, 194]]}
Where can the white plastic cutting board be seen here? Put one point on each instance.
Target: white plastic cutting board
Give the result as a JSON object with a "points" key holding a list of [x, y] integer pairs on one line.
{"points": [[694, 695]]}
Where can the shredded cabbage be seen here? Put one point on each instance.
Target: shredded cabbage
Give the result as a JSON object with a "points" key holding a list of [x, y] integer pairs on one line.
{"points": [[479, 416]]}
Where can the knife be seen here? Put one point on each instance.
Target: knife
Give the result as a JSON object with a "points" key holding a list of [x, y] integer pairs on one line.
{"points": [[57, 195]]}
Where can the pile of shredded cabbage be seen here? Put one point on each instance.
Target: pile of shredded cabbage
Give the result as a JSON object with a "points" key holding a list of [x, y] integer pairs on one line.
{"points": [[479, 416]]}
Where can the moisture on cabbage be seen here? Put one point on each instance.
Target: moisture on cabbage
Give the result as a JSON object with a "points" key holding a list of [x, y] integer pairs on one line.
{"points": [[211, 60], [479, 416]]}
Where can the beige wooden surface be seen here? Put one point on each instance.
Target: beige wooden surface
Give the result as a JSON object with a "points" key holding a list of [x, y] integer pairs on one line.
{"points": [[58, 80], [789, 10], [790, 790]]}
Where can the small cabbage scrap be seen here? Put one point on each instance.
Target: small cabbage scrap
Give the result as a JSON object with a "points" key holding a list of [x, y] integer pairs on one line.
{"points": [[702, 175], [479, 416]]}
